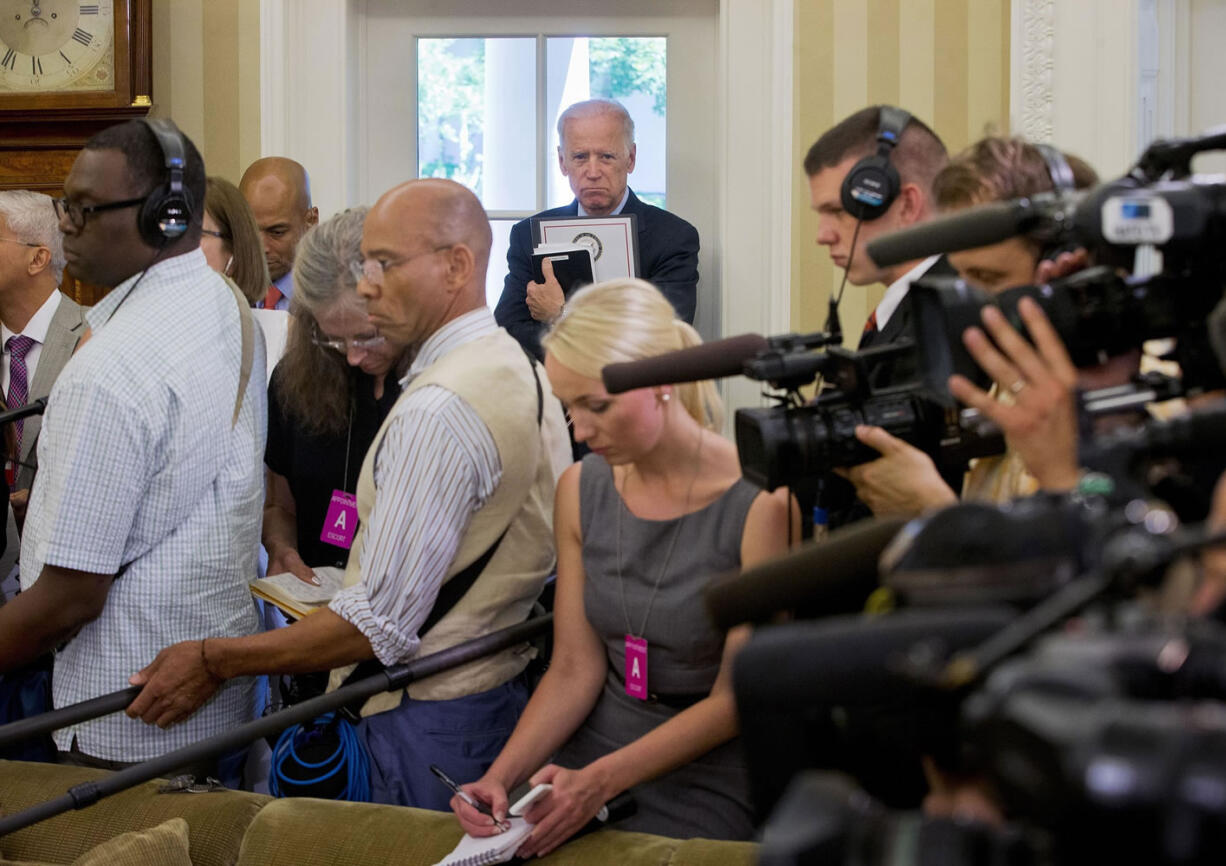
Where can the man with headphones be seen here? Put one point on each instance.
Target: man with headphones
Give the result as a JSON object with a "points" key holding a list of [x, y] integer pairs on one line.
{"points": [[904, 480], [870, 175], [144, 519]]}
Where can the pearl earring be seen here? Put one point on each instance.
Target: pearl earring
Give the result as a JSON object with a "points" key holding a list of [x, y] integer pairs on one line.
{"points": [[666, 397]]}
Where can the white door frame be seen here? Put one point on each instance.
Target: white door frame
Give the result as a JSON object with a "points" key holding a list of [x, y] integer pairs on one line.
{"points": [[309, 75]]}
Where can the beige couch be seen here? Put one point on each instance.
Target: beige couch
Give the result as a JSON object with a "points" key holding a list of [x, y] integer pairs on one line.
{"points": [[229, 827]]}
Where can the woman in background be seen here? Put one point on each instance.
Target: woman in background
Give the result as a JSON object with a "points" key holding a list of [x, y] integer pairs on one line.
{"points": [[230, 239], [232, 246]]}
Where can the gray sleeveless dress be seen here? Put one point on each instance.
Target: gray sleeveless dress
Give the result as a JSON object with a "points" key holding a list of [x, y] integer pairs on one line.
{"points": [[707, 798]]}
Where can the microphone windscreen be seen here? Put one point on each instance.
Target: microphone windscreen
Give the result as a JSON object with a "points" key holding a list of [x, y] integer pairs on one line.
{"points": [[712, 360], [830, 576], [974, 227]]}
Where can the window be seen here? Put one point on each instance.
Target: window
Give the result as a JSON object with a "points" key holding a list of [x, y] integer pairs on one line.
{"points": [[487, 111]]}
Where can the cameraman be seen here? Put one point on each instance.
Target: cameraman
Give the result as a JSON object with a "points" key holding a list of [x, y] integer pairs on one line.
{"points": [[905, 481]]}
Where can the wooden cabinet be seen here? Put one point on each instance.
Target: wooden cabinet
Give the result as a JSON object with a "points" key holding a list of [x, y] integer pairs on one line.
{"points": [[67, 71]]}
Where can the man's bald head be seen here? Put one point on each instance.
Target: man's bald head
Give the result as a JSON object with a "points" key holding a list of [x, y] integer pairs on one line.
{"points": [[431, 241], [279, 192], [285, 172], [442, 212]]}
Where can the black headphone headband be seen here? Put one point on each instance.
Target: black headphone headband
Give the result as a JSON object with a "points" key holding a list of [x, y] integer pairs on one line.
{"points": [[890, 127], [167, 212], [1058, 169], [872, 184]]}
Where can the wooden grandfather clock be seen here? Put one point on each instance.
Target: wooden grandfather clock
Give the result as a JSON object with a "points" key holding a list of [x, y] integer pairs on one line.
{"points": [[67, 71]]}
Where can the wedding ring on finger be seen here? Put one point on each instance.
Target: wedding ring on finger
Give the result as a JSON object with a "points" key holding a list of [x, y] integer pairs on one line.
{"points": [[1017, 387]]}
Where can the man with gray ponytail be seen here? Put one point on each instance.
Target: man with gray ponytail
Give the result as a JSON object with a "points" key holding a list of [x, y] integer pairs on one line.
{"points": [[39, 325]]}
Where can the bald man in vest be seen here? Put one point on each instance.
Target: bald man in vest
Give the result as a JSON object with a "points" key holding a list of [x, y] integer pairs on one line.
{"points": [[456, 490], [279, 192]]}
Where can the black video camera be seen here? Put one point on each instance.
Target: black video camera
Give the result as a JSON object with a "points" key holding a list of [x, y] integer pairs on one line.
{"points": [[786, 444], [1106, 743], [1098, 313]]}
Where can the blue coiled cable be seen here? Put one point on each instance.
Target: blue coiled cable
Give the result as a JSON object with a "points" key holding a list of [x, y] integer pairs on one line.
{"points": [[349, 756]]}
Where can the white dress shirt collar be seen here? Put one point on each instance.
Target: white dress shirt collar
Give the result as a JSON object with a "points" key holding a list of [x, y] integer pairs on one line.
{"points": [[457, 332], [621, 204], [898, 290], [37, 327]]}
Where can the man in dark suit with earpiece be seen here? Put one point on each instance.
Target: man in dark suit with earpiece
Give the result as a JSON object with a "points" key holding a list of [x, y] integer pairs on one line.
{"points": [[870, 175], [596, 153]]}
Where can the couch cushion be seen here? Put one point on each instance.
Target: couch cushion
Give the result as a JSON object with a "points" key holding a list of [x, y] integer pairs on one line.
{"points": [[216, 821], [166, 845], [308, 832], [701, 852], [304, 831]]}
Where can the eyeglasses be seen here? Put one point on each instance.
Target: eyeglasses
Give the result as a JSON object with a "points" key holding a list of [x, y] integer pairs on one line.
{"points": [[77, 212], [345, 344], [221, 236], [372, 270], [23, 243]]}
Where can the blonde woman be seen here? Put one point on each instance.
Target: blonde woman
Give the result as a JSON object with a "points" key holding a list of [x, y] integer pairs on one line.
{"points": [[638, 695]]}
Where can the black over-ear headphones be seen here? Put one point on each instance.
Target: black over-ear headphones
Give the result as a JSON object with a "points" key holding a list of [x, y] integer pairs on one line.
{"points": [[873, 183], [1062, 181], [167, 211], [1058, 169]]}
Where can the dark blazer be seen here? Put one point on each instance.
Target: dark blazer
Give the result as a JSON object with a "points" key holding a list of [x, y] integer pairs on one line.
{"points": [[900, 326], [668, 258], [63, 333]]}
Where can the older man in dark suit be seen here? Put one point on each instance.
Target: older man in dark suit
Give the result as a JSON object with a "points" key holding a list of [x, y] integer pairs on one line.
{"points": [[596, 154]]}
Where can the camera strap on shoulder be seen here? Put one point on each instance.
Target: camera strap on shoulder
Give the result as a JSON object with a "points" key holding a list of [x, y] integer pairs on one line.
{"points": [[248, 350]]}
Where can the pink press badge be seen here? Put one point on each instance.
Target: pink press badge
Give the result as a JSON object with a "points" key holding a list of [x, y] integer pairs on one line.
{"points": [[636, 667], [342, 520]]}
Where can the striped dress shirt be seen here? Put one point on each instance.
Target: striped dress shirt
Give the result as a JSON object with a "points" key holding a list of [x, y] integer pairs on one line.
{"points": [[436, 465], [141, 475]]}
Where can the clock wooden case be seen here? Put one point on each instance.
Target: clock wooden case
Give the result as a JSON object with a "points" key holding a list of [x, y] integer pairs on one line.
{"points": [[67, 71]]}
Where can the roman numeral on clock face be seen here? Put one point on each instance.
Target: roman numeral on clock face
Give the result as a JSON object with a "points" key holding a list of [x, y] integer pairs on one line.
{"points": [[10, 59], [90, 10], [36, 66], [82, 37]]}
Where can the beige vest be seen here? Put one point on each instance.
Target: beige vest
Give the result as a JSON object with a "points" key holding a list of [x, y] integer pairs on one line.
{"points": [[493, 376]]}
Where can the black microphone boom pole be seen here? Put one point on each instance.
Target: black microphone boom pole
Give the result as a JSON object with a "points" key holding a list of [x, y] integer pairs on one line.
{"points": [[391, 679], [53, 720], [35, 407]]}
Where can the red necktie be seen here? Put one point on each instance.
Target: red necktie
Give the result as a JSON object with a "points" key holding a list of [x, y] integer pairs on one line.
{"points": [[870, 327], [270, 300]]}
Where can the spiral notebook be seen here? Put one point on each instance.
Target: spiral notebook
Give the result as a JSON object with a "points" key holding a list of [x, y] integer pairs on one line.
{"points": [[489, 849]]}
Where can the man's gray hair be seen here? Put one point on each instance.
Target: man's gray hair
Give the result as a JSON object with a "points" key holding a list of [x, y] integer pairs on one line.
{"points": [[595, 108], [31, 218]]}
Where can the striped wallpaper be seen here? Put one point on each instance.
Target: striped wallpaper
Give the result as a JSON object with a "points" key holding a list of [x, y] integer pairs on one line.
{"points": [[946, 61]]}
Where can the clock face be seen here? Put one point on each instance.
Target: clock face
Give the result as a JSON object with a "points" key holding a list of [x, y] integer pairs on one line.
{"points": [[56, 45]]}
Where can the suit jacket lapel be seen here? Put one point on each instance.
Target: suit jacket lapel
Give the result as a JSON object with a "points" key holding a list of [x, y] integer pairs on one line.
{"points": [[63, 333]]}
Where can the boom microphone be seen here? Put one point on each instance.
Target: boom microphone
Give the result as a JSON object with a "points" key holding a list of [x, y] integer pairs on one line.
{"points": [[712, 360], [831, 576], [973, 227]]}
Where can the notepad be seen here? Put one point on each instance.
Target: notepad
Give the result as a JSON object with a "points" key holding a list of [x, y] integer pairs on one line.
{"points": [[489, 849]]}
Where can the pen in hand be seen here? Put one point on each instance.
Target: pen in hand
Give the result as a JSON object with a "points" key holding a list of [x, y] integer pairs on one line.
{"points": [[468, 798]]}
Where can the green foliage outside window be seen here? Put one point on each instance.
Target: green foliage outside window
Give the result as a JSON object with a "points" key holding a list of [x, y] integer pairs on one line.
{"points": [[450, 106], [623, 65]]}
